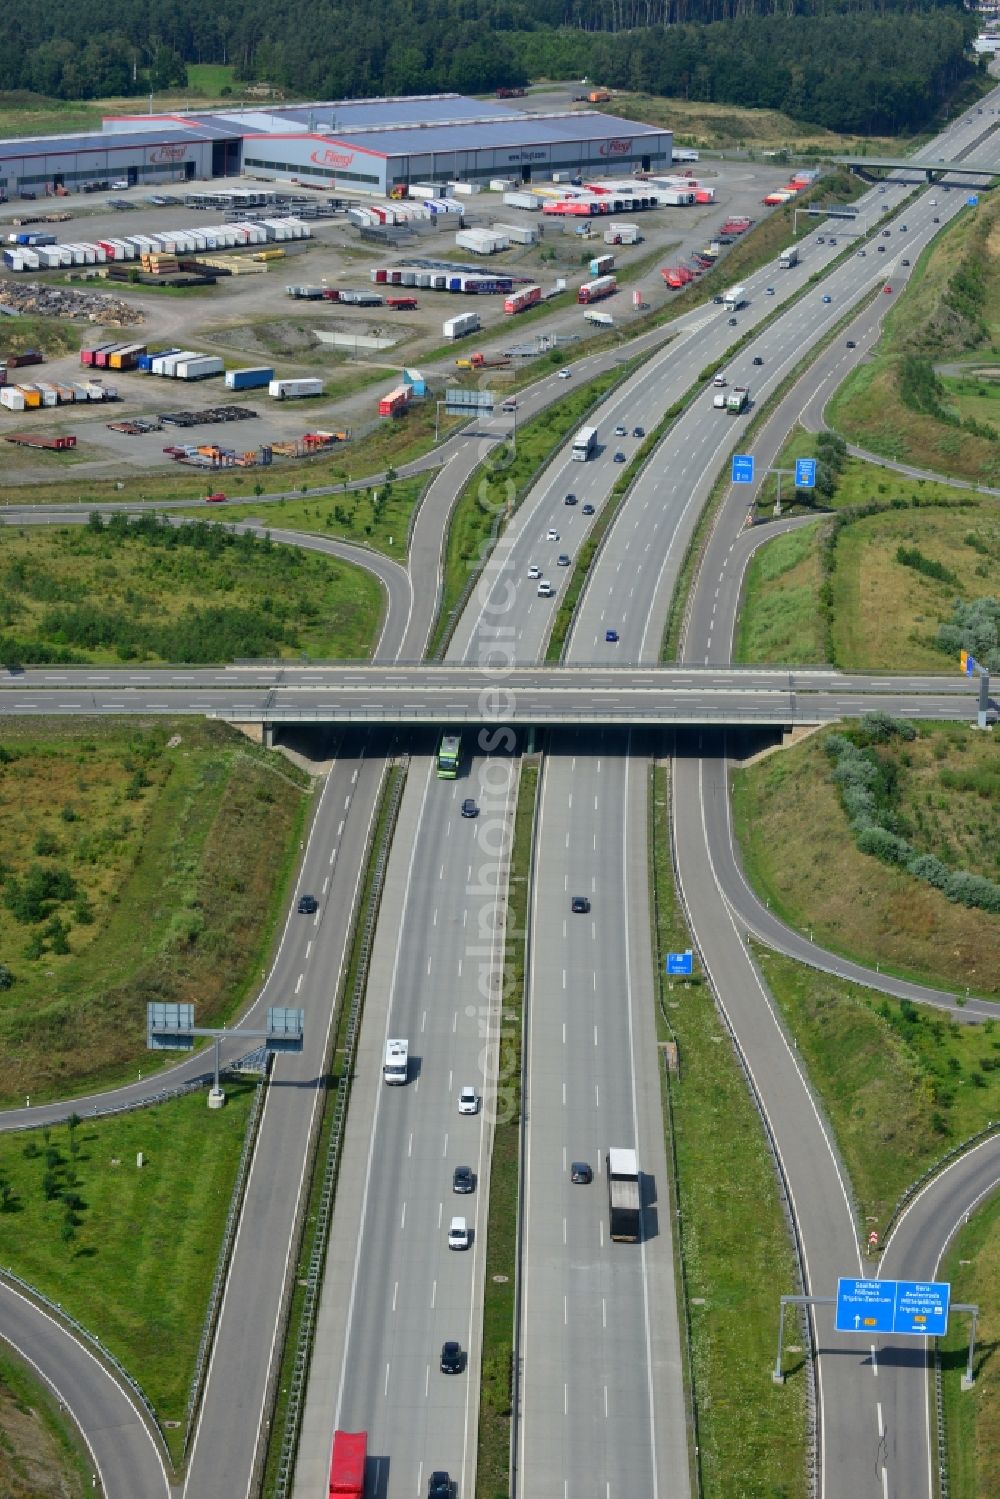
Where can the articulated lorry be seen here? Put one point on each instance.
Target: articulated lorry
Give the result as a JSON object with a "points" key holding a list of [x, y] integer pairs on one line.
{"points": [[624, 1200], [734, 297], [788, 258]]}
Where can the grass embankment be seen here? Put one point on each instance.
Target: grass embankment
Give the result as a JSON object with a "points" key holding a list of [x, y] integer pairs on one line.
{"points": [[721, 127], [142, 590], [493, 1471], [894, 404], [43, 1457], [314, 1227], [129, 1252], [53, 336], [972, 1417], [734, 1242], [890, 576], [27, 113], [799, 853], [379, 517], [902, 1083], [496, 489], [131, 870]]}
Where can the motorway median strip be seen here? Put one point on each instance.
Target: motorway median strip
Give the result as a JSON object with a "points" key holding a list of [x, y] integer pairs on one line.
{"points": [[501, 1292], [298, 1322]]}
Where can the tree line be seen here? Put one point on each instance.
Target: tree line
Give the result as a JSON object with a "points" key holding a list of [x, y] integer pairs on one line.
{"points": [[862, 66]]}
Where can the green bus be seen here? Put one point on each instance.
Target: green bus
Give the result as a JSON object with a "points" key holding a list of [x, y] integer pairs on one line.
{"points": [[449, 754]]}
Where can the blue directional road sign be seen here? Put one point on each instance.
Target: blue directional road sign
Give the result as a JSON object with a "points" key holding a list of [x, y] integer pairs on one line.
{"points": [[805, 473], [916, 1308], [679, 963], [742, 468], [922, 1307], [972, 201]]}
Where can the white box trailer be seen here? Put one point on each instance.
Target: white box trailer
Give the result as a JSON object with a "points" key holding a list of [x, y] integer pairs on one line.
{"points": [[290, 390], [458, 327], [481, 241], [200, 368], [518, 234], [522, 200]]}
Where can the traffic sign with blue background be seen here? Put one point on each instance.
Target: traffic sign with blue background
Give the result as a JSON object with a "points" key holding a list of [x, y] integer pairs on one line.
{"points": [[742, 468], [805, 473], [916, 1308], [972, 201], [679, 963]]}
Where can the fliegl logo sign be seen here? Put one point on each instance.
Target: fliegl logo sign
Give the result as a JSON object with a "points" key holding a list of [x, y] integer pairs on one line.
{"points": [[168, 153], [330, 158], [616, 148]]}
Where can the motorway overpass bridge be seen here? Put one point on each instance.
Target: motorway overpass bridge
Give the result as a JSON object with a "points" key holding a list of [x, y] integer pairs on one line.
{"points": [[931, 171], [272, 695]]}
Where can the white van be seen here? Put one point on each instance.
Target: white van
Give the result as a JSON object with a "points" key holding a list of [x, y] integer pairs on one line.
{"points": [[458, 1234]]}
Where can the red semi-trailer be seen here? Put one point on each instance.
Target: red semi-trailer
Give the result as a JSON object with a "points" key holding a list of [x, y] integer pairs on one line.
{"points": [[347, 1465]]}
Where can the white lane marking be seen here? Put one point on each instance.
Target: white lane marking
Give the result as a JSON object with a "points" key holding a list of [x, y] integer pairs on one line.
{"points": [[445, 1150], [385, 1392], [395, 1294], [427, 1382], [402, 1218], [309, 948], [874, 1362], [409, 1147], [326, 885], [434, 1293], [298, 982]]}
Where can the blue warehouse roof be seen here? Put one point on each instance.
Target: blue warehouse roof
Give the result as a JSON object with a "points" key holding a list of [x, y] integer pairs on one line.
{"points": [[112, 140], [502, 134]]}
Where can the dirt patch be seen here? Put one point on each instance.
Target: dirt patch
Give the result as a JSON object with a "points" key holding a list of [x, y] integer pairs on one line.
{"points": [[33, 1463]]}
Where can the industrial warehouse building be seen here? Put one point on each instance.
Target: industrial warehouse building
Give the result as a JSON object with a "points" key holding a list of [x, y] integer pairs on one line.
{"points": [[370, 146]]}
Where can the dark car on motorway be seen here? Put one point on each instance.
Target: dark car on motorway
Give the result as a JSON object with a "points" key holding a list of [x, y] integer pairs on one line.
{"points": [[439, 1486], [463, 1180], [452, 1361], [638, 431], [470, 807], [851, 344], [579, 905], [581, 1174], [308, 905], [619, 456], [611, 636], [588, 509], [757, 359], [570, 499]]}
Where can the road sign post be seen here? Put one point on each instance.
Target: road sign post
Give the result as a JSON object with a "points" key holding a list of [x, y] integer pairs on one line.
{"points": [[742, 469], [679, 964]]}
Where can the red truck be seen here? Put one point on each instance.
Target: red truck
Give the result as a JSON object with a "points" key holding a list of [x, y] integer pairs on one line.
{"points": [[347, 1465], [510, 93], [215, 498]]}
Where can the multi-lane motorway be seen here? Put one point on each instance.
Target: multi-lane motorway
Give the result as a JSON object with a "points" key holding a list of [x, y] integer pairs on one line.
{"points": [[601, 1403]]}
